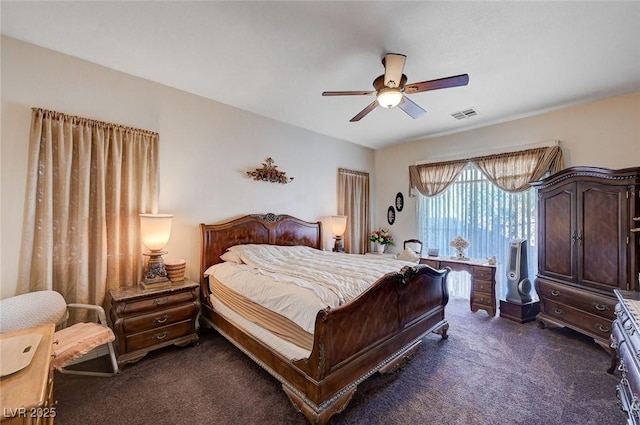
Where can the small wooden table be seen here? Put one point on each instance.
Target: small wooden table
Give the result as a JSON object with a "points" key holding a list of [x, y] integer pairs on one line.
{"points": [[26, 396], [483, 279]]}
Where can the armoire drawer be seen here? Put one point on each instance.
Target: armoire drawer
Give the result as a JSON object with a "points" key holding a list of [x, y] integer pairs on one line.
{"points": [[592, 324], [581, 300]]}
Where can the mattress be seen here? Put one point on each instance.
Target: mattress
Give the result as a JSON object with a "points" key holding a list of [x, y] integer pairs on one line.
{"points": [[282, 289]]}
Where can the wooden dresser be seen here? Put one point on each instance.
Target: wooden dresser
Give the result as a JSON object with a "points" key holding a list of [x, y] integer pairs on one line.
{"points": [[483, 280], [586, 248], [148, 319], [625, 339], [26, 396]]}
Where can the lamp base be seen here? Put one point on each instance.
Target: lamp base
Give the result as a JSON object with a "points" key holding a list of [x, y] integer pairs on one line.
{"points": [[155, 275], [155, 283], [337, 246]]}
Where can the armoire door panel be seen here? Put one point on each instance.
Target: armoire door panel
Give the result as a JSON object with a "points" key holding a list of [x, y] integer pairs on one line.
{"points": [[602, 242], [558, 235]]}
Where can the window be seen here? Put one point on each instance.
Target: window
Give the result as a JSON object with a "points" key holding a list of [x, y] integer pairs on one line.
{"points": [[487, 216]]}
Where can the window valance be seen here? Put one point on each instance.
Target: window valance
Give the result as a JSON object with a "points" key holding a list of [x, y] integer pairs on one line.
{"points": [[512, 171]]}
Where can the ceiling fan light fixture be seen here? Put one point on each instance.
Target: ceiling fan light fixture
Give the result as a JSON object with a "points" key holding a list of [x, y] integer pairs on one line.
{"points": [[389, 97]]}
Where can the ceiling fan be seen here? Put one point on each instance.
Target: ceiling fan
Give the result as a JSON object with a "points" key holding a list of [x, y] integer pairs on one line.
{"points": [[391, 89]]}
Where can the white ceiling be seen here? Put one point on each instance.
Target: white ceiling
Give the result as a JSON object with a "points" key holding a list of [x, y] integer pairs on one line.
{"points": [[276, 58]]}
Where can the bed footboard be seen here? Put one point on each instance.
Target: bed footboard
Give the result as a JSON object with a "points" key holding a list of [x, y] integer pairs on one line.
{"points": [[375, 332]]}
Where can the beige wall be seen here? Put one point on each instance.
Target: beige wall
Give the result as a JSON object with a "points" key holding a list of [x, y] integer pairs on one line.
{"points": [[605, 133], [205, 149]]}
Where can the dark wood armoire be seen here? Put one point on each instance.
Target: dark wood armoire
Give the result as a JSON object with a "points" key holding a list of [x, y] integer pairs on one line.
{"points": [[586, 248]]}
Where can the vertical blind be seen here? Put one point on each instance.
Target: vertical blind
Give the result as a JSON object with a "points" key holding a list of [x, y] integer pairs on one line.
{"points": [[487, 216]]}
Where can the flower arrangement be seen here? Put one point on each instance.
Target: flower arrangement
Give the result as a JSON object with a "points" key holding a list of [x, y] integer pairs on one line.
{"points": [[382, 237], [460, 244], [269, 173]]}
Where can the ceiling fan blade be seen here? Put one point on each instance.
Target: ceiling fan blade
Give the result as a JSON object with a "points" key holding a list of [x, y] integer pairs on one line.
{"points": [[393, 66], [365, 111], [348, 93], [441, 83], [412, 109]]}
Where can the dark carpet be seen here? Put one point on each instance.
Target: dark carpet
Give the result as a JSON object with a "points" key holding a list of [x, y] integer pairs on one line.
{"points": [[490, 371]]}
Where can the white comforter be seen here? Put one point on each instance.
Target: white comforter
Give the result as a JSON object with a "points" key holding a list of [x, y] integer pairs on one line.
{"points": [[298, 281]]}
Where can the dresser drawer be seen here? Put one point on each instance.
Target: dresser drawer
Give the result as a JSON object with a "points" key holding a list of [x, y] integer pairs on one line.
{"points": [[582, 300], [630, 374], [483, 273], [592, 324], [159, 335], [483, 299], [159, 318], [152, 304], [482, 287]]}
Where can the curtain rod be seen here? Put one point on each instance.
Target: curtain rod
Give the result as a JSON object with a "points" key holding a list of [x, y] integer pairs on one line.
{"points": [[489, 152]]}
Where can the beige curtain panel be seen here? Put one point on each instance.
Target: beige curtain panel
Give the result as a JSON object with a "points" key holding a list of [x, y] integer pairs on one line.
{"points": [[512, 172], [353, 201], [87, 182]]}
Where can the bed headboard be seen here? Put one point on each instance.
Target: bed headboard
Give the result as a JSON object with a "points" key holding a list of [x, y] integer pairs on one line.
{"points": [[269, 229]]}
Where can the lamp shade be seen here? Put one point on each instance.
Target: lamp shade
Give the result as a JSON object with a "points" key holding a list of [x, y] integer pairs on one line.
{"points": [[338, 224], [155, 230], [389, 97]]}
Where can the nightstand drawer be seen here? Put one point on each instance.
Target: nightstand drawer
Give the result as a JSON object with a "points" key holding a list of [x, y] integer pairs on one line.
{"points": [[159, 335], [152, 304], [159, 318]]}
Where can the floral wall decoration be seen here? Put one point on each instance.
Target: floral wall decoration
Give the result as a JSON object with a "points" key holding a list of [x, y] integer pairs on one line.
{"points": [[269, 173]]}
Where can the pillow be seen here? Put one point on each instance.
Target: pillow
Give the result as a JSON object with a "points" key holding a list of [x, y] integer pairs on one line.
{"points": [[409, 255], [231, 257]]}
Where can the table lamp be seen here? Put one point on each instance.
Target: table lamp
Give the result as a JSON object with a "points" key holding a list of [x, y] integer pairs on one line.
{"points": [[155, 230], [338, 227]]}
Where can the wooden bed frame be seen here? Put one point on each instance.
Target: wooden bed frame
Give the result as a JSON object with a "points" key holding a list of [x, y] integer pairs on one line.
{"points": [[376, 332]]}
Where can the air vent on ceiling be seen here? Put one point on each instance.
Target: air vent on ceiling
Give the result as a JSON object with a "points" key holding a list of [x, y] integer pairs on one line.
{"points": [[467, 113]]}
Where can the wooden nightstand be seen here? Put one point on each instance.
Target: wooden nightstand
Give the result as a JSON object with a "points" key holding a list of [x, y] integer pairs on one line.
{"points": [[148, 319]]}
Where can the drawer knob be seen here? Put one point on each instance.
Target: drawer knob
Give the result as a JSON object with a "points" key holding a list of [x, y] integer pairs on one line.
{"points": [[163, 335], [558, 311], [603, 328], [601, 307], [554, 292], [161, 301], [162, 319]]}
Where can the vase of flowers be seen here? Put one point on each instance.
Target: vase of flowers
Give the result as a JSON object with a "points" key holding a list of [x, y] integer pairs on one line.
{"points": [[459, 244], [382, 239]]}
